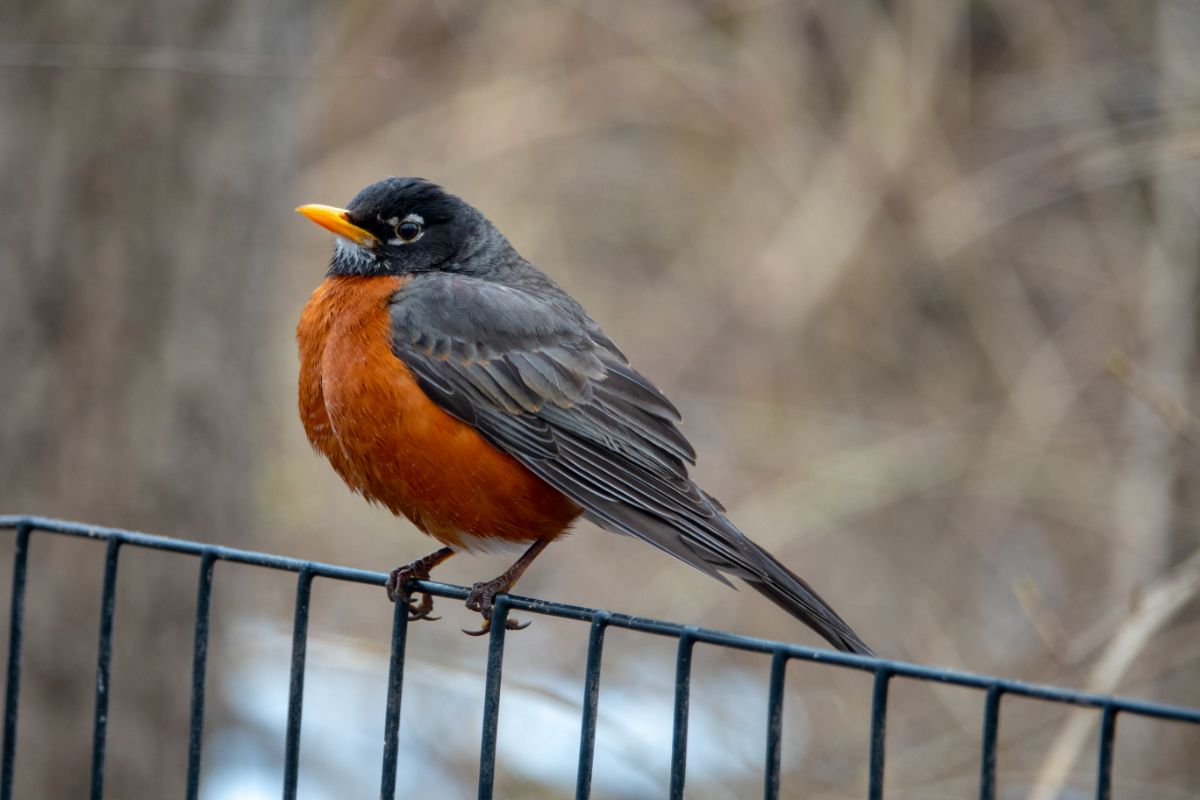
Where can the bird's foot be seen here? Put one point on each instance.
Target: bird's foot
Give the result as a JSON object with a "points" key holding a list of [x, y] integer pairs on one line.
{"points": [[416, 571], [418, 607], [482, 598]]}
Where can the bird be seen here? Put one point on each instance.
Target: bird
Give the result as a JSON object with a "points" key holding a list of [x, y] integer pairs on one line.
{"points": [[449, 380]]}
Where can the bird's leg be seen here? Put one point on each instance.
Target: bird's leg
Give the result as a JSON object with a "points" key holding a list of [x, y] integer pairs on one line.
{"points": [[483, 594], [416, 571]]}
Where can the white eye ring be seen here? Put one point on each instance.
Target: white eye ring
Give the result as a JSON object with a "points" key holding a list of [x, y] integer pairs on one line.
{"points": [[413, 225]]}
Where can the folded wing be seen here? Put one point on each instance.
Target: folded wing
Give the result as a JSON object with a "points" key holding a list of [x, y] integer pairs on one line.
{"points": [[536, 377]]}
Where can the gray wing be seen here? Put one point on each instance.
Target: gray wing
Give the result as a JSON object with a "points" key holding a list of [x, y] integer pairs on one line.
{"points": [[536, 377]]}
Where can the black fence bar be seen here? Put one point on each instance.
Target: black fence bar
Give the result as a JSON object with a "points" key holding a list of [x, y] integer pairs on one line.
{"points": [[1108, 730], [291, 749], [491, 699], [591, 702], [987, 759], [687, 637], [391, 722], [104, 666], [879, 701], [12, 682], [199, 669], [900, 669], [775, 725], [683, 701]]}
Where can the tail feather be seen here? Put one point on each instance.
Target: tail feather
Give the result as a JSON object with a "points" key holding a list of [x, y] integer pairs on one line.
{"points": [[714, 545], [793, 594]]}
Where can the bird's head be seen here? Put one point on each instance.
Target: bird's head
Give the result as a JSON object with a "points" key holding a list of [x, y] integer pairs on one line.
{"points": [[398, 226]]}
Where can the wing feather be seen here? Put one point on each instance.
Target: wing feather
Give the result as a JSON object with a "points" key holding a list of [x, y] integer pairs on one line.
{"points": [[535, 376], [550, 391]]}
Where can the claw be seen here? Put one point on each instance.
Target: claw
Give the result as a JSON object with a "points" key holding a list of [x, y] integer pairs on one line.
{"points": [[418, 570], [421, 609], [509, 624], [482, 598], [399, 577], [483, 595]]}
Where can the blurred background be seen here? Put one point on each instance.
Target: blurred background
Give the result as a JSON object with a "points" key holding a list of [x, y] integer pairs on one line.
{"points": [[921, 275]]}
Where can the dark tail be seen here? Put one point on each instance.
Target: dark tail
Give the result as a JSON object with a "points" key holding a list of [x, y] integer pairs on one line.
{"points": [[790, 592], [714, 545]]}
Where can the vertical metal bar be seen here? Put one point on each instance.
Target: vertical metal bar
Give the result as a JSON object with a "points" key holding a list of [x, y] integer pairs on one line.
{"points": [[591, 700], [291, 750], [878, 733], [391, 722], [199, 668], [104, 666], [491, 698], [12, 684], [774, 724], [683, 685], [987, 761], [1108, 730]]}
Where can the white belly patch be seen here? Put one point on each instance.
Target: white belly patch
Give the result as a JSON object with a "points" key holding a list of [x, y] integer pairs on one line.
{"points": [[487, 544]]}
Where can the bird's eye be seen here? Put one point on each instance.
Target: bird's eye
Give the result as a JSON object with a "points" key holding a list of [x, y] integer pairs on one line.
{"points": [[408, 231]]}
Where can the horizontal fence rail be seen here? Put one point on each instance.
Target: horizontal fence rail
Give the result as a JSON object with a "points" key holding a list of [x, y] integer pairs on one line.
{"points": [[994, 689]]}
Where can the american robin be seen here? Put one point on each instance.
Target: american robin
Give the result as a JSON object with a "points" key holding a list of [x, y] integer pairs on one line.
{"points": [[448, 379]]}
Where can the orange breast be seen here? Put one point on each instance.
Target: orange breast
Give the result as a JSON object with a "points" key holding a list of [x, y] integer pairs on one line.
{"points": [[364, 411]]}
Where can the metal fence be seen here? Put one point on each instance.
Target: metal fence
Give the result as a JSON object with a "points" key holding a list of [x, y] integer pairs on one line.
{"points": [[993, 689]]}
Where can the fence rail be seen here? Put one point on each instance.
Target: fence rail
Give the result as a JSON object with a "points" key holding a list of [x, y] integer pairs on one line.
{"points": [[994, 689]]}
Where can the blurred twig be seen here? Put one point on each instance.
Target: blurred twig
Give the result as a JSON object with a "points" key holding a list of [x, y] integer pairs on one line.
{"points": [[1047, 624], [1155, 607], [1161, 403], [186, 60]]}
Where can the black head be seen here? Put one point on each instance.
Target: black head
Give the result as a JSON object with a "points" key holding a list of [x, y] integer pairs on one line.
{"points": [[398, 226]]}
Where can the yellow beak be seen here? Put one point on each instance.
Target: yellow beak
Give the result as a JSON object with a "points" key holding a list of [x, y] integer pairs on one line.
{"points": [[338, 221]]}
